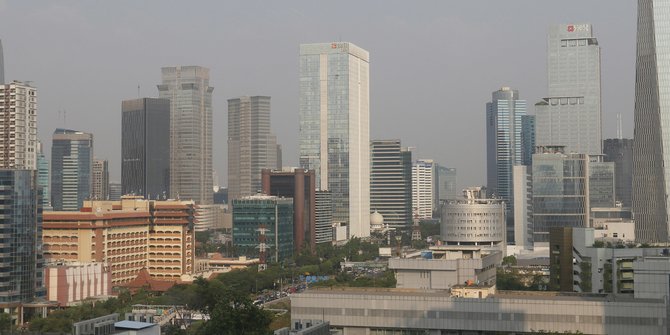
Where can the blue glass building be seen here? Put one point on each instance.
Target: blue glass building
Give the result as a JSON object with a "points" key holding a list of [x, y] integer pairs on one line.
{"points": [[71, 165], [504, 146], [21, 259], [43, 177], [276, 214]]}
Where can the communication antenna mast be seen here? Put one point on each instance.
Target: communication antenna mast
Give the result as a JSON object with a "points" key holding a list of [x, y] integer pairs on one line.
{"points": [[262, 247], [416, 229], [619, 130]]}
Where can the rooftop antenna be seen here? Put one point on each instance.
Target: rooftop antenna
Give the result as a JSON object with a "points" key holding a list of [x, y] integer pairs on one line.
{"points": [[63, 113], [619, 130], [138, 91]]}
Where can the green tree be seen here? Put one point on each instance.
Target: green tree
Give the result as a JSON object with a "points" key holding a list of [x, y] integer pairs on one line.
{"points": [[172, 330], [509, 260], [5, 323], [230, 310]]}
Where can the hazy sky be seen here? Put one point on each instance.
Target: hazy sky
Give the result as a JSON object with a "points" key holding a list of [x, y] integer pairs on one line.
{"points": [[433, 64]]}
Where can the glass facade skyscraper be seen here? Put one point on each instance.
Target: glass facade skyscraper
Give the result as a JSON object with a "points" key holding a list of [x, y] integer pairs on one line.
{"points": [[43, 177], [190, 96], [651, 149], [22, 266], [504, 145], [71, 165], [145, 147], [570, 115], [620, 151], [391, 182], [560, 191], [447, 179], [527, 139], [251, 145], [601, 183], [334, 127]]}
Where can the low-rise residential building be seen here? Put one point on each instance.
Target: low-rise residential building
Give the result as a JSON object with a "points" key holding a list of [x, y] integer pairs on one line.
{"points": [[72, 283]]}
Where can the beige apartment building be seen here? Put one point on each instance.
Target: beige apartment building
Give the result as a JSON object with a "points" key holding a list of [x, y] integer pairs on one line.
{"points": [[127, 235]]}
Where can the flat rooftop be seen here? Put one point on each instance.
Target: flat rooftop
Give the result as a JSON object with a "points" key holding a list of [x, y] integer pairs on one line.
{"points": [[534, 295]]}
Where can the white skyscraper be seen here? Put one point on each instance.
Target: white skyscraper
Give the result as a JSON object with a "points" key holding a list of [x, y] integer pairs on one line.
{"points": [[18, 126], [190, 96], [423, 188], [651, 146], [334, 127], [571, 114]]}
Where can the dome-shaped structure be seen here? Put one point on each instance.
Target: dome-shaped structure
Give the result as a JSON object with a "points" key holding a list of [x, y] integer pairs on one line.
{"points": [[376, 220]]}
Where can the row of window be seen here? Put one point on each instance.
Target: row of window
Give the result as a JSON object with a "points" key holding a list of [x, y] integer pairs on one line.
{"points": [[567, 101]]}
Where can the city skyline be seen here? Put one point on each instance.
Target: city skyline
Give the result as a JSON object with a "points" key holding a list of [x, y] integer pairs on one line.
{"points": [[397, 85]]}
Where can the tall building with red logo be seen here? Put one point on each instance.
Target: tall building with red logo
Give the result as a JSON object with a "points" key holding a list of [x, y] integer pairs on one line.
{"points": [[570, 115]]}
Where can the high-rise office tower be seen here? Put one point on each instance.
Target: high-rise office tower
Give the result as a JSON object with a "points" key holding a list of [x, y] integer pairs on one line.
{"points": [[620, 151], [2, 65], [334, 127], [423, 188], [43, 177], [300, 185], [391, 182], [523, 211], [323, 210], [279, 157], [18, 126], [559, 190], [601, 182], [527, 139], [446, 183], [651, 147], [190, 96], [115, 190], [21, 220], [571, 113], [504, 145], [251, 145], [145, 147], [100, 182], [71, 164]]}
